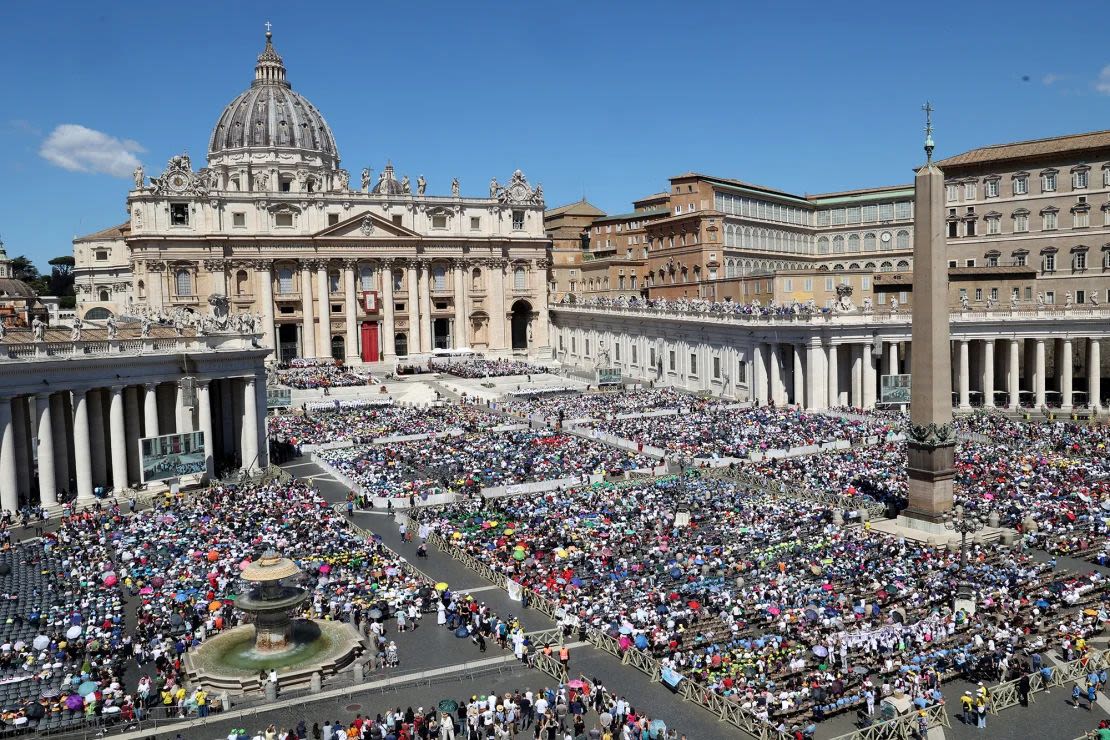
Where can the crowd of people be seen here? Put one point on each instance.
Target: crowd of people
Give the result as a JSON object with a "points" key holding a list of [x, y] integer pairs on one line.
{"points": [[361, 424], [604, 404], [306, 374], [466, 463], [767, 600], [703, 306], [486, 368]]}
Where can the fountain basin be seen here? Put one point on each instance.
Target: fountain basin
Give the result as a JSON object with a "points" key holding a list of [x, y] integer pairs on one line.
{"points": [[232, 662]]}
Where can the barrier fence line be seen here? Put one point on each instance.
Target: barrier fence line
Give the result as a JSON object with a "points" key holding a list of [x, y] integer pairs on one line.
{"points": [[905, 727]]}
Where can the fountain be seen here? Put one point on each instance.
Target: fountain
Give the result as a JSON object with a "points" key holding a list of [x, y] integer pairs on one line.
{"points": [[238, 659]]}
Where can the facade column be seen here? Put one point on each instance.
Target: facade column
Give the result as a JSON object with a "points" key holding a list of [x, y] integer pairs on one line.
{"points": [[988, 373], [204, 418], [48, 481], [759, 374], [497, 316], [1014, 369], [857, 351], [182, 413], [350, 298], [9, 479], [308, 321], [799, 377], [425, 307], [260, 421], [816, 377], [869, 379], [833, 390], [132, 425], [892, 358], [389, 348], [118, 430], [150, 410], [1038, 377], [264, 287], [964, 376], [323, 296], [460, 333], [24, 460], [1094, 371], [1066, 375], [82, 455], [413, 302], [95, 411], [58, 421], [250, 425], [777, 387]]}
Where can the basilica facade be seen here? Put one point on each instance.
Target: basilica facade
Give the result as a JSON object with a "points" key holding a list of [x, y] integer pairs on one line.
{"points": [[365, 271]]}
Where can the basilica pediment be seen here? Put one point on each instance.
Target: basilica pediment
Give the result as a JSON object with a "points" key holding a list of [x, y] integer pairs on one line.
{"points": [[366, 225]]}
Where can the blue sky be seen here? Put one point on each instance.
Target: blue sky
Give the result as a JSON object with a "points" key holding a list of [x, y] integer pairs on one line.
{"points": [[604, 99]]}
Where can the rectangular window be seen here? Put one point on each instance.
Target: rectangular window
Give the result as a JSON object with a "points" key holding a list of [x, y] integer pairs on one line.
{"points": [[1048, 182], [864, 283], [953, 263], [518, 220], [853, 215], [1021, 185], [903, 297], [651, 356], [1021, 260], [823, 216], [283, 219], [809, 285], [561, 344], [992, 261], [903, 210], [1081, 261], [742, 372], [1050, 263], [1015, 293], [101, 255], [1050, 297], [239, 219], [1021, 223], [953, 229], [439, 222], [978, 294], [617, 351], [838, 217], [951, 193], [635, 354], [963, 293], [587, 348], [994, 226], [1028, 294], [179, 214], [693, 364], [397, 219], [574, 345], [828, 284], [991, 188], [788, 285], [886, 211], [671, 360], [969, 228], [870, 213], [970, 263], [1081, 220], [475, 223], [969, 191], [1080, 296], [333, 219], [1079, 179], [1048, 221], [716, 368], [994, 294]]}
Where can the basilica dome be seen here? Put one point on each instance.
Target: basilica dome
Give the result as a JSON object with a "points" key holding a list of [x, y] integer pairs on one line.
{"points": [[270, 116]]}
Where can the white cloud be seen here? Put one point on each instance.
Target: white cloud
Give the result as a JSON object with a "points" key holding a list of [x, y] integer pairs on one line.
{"points": [[1103, 82], [1051, 79], [81, 149]]}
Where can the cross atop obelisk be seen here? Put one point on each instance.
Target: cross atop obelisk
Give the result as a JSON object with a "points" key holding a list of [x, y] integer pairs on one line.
{"points": [[932, 439]]}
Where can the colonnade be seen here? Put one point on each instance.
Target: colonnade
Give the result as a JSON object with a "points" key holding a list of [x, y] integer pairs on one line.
{"points": [[87, 437]]}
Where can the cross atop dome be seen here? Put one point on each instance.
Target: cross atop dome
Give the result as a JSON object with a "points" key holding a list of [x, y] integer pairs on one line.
{"points": [[270, 68]]}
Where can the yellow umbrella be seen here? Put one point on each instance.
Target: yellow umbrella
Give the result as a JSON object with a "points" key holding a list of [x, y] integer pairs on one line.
{"points": [[441, 586]]}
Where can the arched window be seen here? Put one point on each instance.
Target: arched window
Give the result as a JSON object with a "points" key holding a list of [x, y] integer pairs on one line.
{"points": [[285, 280], [98, 313], [520, 279], [242, 287], [902, 241], [853, 266], [104, 295], [838, 267], [903, 265], [823, 245], [333, 282], [869, 242], [439, 278], [142, 289], [182, 282], [853, 242], [730, 269], [398, 280], [476, 279], [869, 265], [838, 244], [366, 277], [886, 267]]}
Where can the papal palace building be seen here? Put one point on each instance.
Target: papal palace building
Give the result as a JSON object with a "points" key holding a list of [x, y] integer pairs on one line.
{"points": [[362, 271]]}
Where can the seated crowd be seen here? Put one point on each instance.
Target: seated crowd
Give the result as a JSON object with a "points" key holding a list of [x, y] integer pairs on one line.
{"points": [[603, 405], [323, 375], [362, 425], [486, 368], [763, 599]]}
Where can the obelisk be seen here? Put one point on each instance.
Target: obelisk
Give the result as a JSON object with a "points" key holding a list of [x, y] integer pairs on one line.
{"points": [[932, 439]]}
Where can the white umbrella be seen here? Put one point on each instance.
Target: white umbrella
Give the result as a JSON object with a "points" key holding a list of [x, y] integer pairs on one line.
{"points": [[41, 642], [73, 633]]}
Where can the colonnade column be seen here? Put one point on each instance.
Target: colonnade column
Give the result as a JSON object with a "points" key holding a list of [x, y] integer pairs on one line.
{"points": [[95, 431], [389, 347], [425, 307], [48, 481], [82, 455], [58, 422], [816, 377], [308, 321], [23, 458], [204, 419], [777, 388], [460, 333], [9, 482], [892, 358], [799, 377], [988, 373], [119, 439], [323, 295], [182, 413], [1038, 378], [834, 376], [131, 426], [759, 374], [350, 309], [869, 379], [250, 425], [413, 301], [1014, 369], [856, 359], [964, 376], [497, 317], [1094, 371], [265, 295], [1066, 375], [150, 410]]}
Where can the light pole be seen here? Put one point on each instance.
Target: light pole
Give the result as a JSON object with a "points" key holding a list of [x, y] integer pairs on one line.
{"points": [[965, 523]]}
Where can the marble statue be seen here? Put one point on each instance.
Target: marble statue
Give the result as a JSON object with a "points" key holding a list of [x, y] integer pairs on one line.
{"points": [[1067, 299], [261, 180], [405, 186], [1013, 302], [893, 305], [868, 305], [1094, 298], [965, 304], [455, 187], [144, 327], [75, 331], [178, 326], [3, 329], [344, 179], [38, 329], [139, 177], [1040, 299], [493, 187], [365, 179], [112, 327], [421, 185], [537, 194]]}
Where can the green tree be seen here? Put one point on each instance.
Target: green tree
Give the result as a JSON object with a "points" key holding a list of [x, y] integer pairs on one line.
{"points": [[25, 270], [60, 282]]}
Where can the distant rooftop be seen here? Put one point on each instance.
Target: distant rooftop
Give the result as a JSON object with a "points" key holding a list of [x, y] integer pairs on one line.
{"points": [[1031, 148]]}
